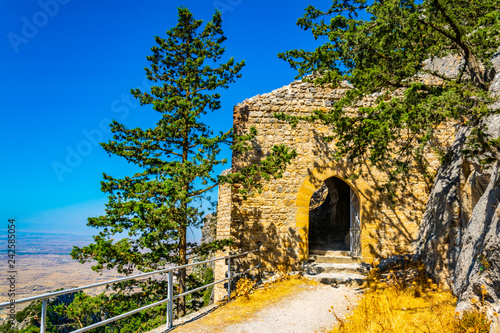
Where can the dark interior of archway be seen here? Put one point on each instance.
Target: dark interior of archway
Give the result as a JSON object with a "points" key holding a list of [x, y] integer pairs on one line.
{"points": [[329, 216]]}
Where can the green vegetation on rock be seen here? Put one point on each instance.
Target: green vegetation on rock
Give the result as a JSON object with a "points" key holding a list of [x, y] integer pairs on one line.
{"points": [[390, 51]]}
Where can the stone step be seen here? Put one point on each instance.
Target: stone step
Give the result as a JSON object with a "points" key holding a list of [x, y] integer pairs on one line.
{"points": [[335, 267], [334, 259], [330, 253], [316, 268], [338, 278]]}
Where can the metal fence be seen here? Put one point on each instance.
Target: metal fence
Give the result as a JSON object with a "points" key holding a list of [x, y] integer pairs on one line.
{"points": [[170, 289]]}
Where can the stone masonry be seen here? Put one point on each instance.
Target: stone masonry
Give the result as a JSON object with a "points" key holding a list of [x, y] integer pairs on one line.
{"points": [[278, 218]]}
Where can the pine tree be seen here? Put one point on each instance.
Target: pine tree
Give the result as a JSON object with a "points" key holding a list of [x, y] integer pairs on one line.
{"points": [[177, 157], [382, 47]]}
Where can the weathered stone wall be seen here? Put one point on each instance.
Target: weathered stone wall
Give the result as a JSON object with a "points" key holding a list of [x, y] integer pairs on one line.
{"points": [[279, 217], [223, 231]]}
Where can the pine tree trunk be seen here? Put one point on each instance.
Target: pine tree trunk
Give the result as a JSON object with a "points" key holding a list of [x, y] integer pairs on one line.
{"points": [[474, 68], [181, 303]]}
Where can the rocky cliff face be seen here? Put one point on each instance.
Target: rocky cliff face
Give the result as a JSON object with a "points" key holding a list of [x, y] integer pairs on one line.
{"points": [[209, 231], [459, 238]]}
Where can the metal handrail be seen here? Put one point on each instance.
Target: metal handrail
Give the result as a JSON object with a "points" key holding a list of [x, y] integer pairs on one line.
{"points": [[169, 299]]}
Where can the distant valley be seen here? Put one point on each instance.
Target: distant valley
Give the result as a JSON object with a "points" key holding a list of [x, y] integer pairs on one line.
{"points": [[43, 264]]}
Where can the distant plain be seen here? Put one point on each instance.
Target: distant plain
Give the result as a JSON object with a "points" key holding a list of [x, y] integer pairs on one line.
{"points": [[43, 264]]}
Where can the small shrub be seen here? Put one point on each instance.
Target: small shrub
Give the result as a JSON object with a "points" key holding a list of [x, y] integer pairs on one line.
{"points": [[282, 271], [244, 287], [472, 322]]}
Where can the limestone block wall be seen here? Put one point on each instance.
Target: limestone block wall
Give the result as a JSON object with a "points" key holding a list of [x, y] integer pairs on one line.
{"points": [[223, 231], [279, 217]]}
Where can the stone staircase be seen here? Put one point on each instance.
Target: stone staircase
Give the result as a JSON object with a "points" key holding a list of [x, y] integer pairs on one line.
{"points": [[335, 267]]}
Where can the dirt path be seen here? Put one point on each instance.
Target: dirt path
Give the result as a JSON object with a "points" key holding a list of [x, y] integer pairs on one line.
{"points": [[304, 311]]}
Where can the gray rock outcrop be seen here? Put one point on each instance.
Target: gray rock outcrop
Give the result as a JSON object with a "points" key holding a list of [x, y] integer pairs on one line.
{"points": [[209, 231], [439, 240], [478, 264], [459, 238]]}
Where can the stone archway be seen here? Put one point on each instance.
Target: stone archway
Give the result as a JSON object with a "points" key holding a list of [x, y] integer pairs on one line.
{"points": [[334, 218], [353, 192]]}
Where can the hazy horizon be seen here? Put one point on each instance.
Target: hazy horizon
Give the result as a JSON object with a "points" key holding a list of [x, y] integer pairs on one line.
{"points": [[57, 243], [67, 71]]}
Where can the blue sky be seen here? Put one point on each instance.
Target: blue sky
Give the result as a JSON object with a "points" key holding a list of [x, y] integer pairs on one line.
{"points": [[67, 67]]}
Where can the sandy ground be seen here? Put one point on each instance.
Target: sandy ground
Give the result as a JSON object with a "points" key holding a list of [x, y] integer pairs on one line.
{"points": [[302, 312]]}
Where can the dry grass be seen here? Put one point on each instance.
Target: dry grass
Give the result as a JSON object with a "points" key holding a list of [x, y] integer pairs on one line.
{"points": [[404, 301], [389, 310], [398, 304], [241, 309]]}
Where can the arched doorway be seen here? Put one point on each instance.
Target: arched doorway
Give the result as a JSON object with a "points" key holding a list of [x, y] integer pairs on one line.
{"points": [[334, 223]]}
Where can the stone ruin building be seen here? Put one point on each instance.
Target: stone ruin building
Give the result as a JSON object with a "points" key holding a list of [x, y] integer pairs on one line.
{"points": [[317, 208]]}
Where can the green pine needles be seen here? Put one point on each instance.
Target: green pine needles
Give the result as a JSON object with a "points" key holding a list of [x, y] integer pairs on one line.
{"points": [[382, 48], [155, 207], [178, 157]]}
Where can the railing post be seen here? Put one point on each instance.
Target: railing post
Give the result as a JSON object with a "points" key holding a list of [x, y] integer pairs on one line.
{"points": [[170, 304], [170, 291], [259, 244], [229, 278], [44, 316]]}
